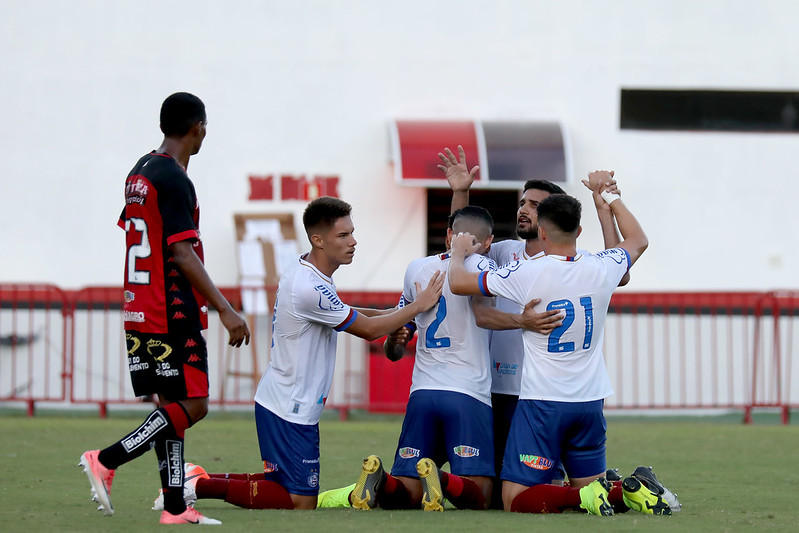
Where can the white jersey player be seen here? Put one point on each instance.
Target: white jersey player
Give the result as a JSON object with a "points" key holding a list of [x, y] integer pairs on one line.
{"points": [[308, 313], [564, 381]]}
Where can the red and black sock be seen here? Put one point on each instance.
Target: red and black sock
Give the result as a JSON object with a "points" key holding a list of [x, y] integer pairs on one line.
{"points": [[393, 495], [462, 492], [171, 419]]}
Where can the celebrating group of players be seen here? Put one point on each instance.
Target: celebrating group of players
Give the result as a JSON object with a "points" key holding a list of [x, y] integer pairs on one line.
{"points": [[509, 377]]}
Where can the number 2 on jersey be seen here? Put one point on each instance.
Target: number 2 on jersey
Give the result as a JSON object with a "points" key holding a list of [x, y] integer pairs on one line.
{"points": [[430, 339], [554, 345], [138, 251]]}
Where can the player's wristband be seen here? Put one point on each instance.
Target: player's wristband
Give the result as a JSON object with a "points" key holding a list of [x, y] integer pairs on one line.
{"points": [[609, 197]]}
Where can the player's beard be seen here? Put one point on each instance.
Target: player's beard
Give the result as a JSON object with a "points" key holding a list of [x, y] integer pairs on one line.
{"points": [[529, 234]]}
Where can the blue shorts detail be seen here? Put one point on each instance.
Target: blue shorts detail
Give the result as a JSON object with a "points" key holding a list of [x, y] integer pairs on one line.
{"points": [[544, 432], [290, 452], [449, 427]]}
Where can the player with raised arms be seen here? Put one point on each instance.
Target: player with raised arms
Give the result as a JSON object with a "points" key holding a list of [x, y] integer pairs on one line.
{"points": [[564, 380]]}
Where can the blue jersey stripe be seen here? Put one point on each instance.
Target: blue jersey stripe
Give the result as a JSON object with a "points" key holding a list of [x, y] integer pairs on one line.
{"points": [[481, 282], [348, 322]]}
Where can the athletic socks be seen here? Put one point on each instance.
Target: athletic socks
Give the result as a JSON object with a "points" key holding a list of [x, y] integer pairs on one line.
{"points": [[462, 492], [546, 499], [171, 419], [615, 498], [393, 495], [255, 494], [163, 429]]}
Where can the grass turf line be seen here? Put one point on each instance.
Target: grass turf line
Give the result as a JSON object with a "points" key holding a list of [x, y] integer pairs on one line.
{"points": [[729, 477]]}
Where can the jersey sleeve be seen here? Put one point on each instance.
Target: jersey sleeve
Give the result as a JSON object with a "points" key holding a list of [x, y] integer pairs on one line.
{"points": [[176, 202], [510, 281], [322, 305], [617, 261]]}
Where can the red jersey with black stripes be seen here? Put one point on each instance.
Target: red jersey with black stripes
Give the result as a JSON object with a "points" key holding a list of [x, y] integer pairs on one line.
{"points": [[160, 209]]}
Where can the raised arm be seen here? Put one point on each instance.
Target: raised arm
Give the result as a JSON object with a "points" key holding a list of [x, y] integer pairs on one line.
{"points": [[460, 179], [598, 181], [374, 327], [634, 238]]}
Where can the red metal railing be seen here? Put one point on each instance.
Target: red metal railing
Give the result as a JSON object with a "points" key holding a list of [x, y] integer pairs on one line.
{"points": [[675, 350]]}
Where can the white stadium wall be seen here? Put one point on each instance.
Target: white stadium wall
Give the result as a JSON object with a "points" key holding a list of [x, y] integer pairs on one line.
{"points": [[311, 87]]}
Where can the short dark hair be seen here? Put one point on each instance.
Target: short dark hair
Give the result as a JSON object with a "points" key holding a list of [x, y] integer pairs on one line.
{"points": [[562, 210], [474, 212], [179, 113], [542, 185], [324, 211]]}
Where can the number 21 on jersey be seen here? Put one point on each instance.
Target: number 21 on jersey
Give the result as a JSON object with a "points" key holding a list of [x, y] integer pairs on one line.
{"points": [[554, 345]]}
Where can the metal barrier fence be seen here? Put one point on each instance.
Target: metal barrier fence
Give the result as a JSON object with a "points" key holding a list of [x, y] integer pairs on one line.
{"points": [[692, 350]]}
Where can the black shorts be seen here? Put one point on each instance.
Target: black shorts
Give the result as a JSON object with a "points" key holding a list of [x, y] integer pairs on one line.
{"points": [[174, 365]]}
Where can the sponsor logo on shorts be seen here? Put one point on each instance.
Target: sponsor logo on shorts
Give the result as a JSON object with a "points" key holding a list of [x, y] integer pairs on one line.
{"points": [[466, 451], [313, 479], [134, 343], [506, 369], [129, 296], [408, 453], [310, 461], [155, 346], [143, 434], [270, 467], [534, 461], [133, 316]]}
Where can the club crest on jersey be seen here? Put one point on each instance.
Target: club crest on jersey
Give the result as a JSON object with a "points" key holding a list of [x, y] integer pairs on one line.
{"points": [[534, 461], [466, 451], [408, 452], [129, 296], [328, 300]]}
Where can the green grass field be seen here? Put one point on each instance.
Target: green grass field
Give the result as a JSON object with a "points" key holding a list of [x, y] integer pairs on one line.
{"points": [[729, 477]]}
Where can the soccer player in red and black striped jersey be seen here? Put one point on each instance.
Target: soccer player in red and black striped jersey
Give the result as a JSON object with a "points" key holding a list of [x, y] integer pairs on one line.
{"points": [[167, 291]]}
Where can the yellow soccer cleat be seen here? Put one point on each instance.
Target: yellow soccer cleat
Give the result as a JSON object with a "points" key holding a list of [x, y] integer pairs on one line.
{"points": [[433, 496], [335, 498], [639, 498], [594, 497], [372, 478]]}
